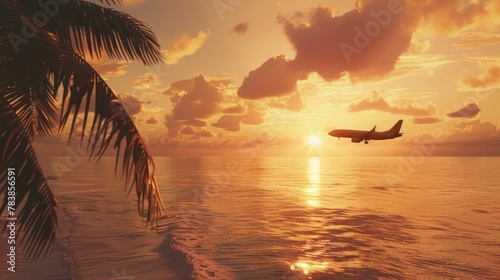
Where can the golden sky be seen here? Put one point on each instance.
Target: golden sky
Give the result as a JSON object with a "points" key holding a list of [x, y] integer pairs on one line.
{"points": [[274, 77]]}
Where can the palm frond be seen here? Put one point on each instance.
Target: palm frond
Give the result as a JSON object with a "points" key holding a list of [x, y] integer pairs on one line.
{"points": [[35, 203], [111, 2], [111, 124], [29, 70], [31, 76], [90, 27]]}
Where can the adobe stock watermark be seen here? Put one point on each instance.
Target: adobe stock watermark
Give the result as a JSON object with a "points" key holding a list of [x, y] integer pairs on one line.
{"points": [[72, 160], [223, 6], [372, 29], [11, 218], [48, 9]]}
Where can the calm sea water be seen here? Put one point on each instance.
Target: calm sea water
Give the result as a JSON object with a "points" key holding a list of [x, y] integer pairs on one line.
{"points": [[281, 218]]}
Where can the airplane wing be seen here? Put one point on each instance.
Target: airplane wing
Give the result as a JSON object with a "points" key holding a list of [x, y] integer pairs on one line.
{"points": [[368, 134]]}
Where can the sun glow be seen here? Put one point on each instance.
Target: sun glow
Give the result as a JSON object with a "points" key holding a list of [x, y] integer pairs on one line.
{"points": [[314, 141]]}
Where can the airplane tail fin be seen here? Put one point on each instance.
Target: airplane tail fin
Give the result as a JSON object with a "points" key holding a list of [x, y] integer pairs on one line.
{"points": [[396, 128]]}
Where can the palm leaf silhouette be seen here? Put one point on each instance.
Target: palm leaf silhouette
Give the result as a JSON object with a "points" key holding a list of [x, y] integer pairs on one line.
{"points": [[48, 68]]}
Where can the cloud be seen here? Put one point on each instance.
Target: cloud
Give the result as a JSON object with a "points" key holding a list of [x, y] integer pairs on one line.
{"points": [[229, 123], [240, 28], [172, 125], [292, 103], [130, 103], [233, 122], [275, 77], [194, 122], [187, 130], [474, 131], [427, 120], [362, 44], [145, 81], [471, 110], [375, 102], [200, 100], [152, 120], [452, 16], [253, 117], [466, 138], [110, 68], [471, 40], [263, 139], [205, 133], [179, 87], [365, 42], [237, 110], [489, 78], [184, 45], [419, 46]]}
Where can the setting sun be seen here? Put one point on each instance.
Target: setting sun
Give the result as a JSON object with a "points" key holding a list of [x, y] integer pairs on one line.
{"points": [[314, 140]]}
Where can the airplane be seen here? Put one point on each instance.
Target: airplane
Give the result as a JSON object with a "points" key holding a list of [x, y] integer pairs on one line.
{"points": [[362, 135]]}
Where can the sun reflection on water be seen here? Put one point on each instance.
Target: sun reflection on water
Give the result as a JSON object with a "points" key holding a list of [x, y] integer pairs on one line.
{"points": [[309, 266], [313, 260], [313, 189]]}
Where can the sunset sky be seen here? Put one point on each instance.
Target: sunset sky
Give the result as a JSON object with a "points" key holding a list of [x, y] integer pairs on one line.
{"points": [[277, 76]]}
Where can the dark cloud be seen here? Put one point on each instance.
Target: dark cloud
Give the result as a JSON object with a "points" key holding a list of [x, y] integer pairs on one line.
{"points": [[152, 120], [275, 77], [187, 130], [240, 28], [200, 102], [172, 125], [179, 87], [365, 42], [130, 103], [427, 120], [205, 133], [194, 122], [471, 110], [375, 102], [237, 109], [229, 123], [233, 122]]}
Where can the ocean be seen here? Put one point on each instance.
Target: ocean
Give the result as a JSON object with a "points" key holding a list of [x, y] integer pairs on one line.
{"points": [[279, 218]]}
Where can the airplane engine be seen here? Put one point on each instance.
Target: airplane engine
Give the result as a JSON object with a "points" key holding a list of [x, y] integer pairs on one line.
{"points": [[355, 140]]}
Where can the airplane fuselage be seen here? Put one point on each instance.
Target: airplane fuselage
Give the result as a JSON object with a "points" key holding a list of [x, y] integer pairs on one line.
{"points": [[347, 133], [358, 136]]}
